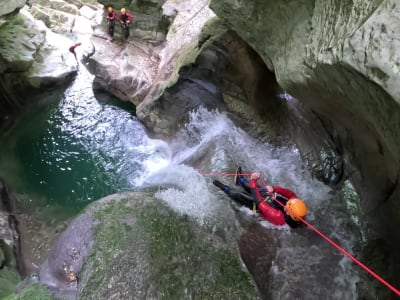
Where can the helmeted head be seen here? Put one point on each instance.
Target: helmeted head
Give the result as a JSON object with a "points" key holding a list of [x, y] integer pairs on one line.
{"points": [[123, 10], [109, 9], [296, 208], [71, 277]]}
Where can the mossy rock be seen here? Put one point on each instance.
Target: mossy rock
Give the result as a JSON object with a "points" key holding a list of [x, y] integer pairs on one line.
{"points": [[2, 257], [20, 43], [144, 250], [9, 279], [32, 292]]}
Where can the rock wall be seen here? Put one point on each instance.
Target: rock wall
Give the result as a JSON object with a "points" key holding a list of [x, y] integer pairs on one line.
{"points": [[10, 6], [31, 58], [10, 251], [149, 21], [338, 58]]}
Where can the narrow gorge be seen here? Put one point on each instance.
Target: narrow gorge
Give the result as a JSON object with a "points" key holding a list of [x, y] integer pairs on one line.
{"points": [[107, 160]]}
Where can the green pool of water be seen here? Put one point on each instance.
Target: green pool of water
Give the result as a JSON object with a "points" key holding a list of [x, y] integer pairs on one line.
{"points": [[71, 147]]}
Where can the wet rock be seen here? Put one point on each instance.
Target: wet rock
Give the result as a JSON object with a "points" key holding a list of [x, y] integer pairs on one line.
{"points": [[336, 68], [181, 48], [61, 270], [9, 245], [125, 70], [164, 249], [33, 57], [339, 61], [9, 279], [132, 246], [9, 6], [150, 20]]}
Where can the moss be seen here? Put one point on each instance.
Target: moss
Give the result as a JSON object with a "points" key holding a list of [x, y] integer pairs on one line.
{"points": [[211, 30], [108, 238], [174, 253], [163, 24], [32, 292], [148, 8], [144, 247], [9, 279]]}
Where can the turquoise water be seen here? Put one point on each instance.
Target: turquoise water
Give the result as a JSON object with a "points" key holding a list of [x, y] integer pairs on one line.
{"points": [[72, 147]]}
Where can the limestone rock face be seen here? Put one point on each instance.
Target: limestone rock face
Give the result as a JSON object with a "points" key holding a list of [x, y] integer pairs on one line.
{"points": [[149, 20], [339, 59], [9, 243], [181, 48], [20, 40], [32, 57], [9, 6], [126, 70]]}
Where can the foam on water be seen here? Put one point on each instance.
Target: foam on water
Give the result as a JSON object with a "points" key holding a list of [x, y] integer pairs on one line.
{"points": [[188, 194], [156, 155], [207, 130]]}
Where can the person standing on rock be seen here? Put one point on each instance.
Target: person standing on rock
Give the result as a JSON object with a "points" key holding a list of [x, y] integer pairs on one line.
{"points": [[125, 19], [110, 22], [289, 210]]}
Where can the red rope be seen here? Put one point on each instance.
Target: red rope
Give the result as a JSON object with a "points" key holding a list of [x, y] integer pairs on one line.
{"points": [[223, 174], [392, 288], [376, 276]]}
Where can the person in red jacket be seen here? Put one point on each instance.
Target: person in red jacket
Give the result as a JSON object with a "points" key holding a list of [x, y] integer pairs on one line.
{"points": [[110, 17], [72, 50], [125, 19], [276, 204]]}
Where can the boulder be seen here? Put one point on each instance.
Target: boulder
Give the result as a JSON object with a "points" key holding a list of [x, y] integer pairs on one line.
{"points": [[9, 242], [133, 246], [9, 6], [34, 58]]}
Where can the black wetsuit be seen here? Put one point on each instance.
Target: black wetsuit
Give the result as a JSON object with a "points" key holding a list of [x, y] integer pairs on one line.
{"points": [[248, 198]]}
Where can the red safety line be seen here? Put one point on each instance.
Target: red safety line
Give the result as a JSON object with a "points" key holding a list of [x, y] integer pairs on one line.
{"points": [[396, 291], [391, 287], [223, 174]]}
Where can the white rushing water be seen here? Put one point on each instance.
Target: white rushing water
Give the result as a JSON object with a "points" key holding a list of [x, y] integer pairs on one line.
{"points": [[84, 144], [210, 140]]}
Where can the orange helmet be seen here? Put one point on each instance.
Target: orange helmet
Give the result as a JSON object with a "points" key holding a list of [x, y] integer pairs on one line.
{"points": [[71, 277], [110, 9], [123, 10], [296, 208]]}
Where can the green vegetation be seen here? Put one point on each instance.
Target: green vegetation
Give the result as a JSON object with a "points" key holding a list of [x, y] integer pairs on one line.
{"points": [[180, 262], [32, 292], [9, 277]]}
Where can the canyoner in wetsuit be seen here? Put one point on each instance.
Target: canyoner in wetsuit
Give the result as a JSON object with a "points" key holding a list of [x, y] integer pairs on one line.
{"points": [[266, 199], [72, 50], [125, 19], [110, 17]]}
